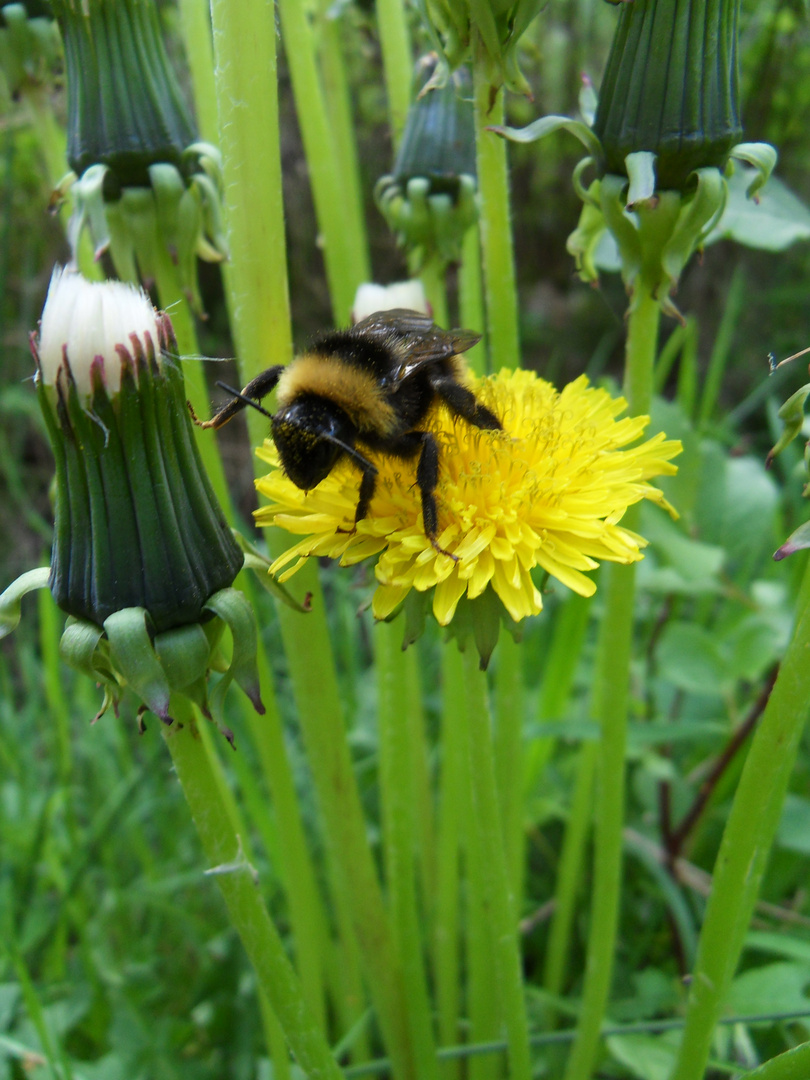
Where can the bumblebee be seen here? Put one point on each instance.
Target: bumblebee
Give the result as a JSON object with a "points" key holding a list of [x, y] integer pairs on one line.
{"points": [[368, 388]]}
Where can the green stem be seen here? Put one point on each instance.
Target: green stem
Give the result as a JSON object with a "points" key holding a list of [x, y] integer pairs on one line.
{"points": [[569, 872], [242, 898], [488, 834], [509, 705], [470, 297], [337, 95], [399, 836], [195, 18], [746, 843], [610, 700], [247, 110], [345, 255], [434, 281], [172, 298], [451, 801], [495, 221], [395, 44]]}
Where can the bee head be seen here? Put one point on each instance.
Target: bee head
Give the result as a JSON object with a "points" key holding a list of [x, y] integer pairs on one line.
{"points": [[311, 434]]}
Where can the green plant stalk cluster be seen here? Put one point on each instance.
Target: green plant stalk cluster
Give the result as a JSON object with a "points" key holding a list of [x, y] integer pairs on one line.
{"points": [[746, 844]]}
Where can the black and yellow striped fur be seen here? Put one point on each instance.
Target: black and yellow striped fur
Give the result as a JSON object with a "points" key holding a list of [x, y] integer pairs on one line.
{"points": [[368, 388]]}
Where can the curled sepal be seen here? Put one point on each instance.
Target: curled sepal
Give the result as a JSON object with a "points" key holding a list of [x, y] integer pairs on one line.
{"points": [[641, 174], [84, 647], [548, 124], [762, 156], [792, 414], [133, 654], [231, 606], [798, 540], [11, 597]]}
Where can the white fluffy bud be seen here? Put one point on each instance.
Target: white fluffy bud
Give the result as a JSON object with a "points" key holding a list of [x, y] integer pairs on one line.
{"points": [[88, 319]]}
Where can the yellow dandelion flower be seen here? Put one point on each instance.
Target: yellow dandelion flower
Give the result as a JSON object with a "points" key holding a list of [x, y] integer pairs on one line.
{"points": [[547, 492]]}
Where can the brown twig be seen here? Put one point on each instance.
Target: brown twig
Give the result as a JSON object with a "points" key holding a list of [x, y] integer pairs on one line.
{"points": [[677, 838]]}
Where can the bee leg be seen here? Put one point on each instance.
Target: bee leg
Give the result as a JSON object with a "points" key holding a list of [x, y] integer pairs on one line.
{"points": [[255, 390], [427, 477], [464, 403], [367, 486], [366, 494]]}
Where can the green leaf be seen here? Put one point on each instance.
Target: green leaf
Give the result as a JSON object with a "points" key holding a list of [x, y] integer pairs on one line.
{"points": [[780, 944], [648, 1057], [777, 220], [794, 825], [10, 599], [773, 988], [689, 657]]}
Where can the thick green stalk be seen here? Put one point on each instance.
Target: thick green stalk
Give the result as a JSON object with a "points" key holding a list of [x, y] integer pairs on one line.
{"points": [[434, 281], [399, 835], [172, 299], [337, 94], [487, 835], [470, 297], [569, 871], [306, 911], [509, 705], [423, 806], [746, 843], [610, 699], [345, 254], [495, 222], [395, 44], [195, 17], [247, 911], [447, 968], [247, 110]]}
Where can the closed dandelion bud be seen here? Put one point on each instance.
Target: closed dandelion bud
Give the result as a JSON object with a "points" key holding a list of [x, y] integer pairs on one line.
{"points": [[429, 200], [671, 87], [142, 558], [136, 522], [141, 181]]}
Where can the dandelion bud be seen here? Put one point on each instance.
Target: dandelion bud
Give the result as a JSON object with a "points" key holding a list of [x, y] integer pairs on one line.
{"points": [[671, 87], [140, 179], [429, 200], [136, 523]]}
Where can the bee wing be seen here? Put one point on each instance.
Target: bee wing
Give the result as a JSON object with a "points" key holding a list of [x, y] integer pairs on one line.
{"points": [[422, 341]]}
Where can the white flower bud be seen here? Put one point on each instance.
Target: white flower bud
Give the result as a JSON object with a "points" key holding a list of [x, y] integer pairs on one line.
{"points": [[88, 319], [402, 294]]}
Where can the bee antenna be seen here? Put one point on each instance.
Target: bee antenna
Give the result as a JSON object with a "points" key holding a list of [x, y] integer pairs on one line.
{"points": [[363, 462], [245, 400]]}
